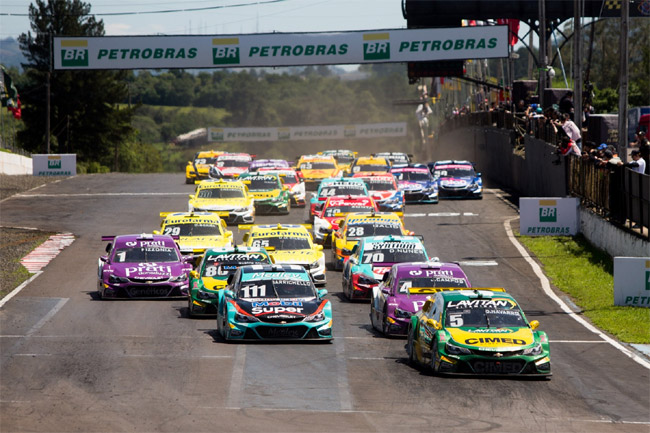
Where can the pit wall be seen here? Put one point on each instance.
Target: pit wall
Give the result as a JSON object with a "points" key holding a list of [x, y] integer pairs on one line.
{"points": [[11, 163], [531, 174]]}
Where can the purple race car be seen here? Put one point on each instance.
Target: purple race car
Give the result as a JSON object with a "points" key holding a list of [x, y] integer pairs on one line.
{"points": [[404, 289], [142, 266], [268, 163]]}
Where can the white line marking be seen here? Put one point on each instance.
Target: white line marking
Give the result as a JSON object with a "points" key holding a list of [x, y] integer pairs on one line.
{"points": [[578, 341], [105, 194], [546, 286], [479, 263], [48, 316], [357, 358], [33, 355], [415, 214], [15, 291], [237, 378], [345, 400]]}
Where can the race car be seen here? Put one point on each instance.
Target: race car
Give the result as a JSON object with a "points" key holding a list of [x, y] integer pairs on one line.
{"points": [[273, 302], [396, 159], [405, 288], [372, 257], [211, 275], [315, 168], [142, 266], [358, 225], [270, 195], [335, 186], [292, 181], [343, 157], [334, 210], [369, 164], [199, 167], [384, 191], [233, 164], [257, 164], [228, 199], [417, 184], [196, 231], [477, 331], [288, 244], [457, 179]]}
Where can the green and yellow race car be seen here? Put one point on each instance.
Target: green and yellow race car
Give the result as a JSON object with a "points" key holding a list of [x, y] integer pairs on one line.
{"points": [[477, 331], [268, 191]]}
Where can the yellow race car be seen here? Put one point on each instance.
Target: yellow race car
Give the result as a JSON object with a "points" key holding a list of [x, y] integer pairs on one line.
{"points": [[227, 198], [344, 158], [314, 168], [196, 231], [369, 164], [290, 244], [362, 224], [199, 168]]}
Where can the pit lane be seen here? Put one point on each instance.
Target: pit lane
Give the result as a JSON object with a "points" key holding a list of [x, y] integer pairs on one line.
{"points": [[90, 365]]}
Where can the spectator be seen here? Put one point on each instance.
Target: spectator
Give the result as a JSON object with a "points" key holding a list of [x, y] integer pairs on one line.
{"points": [[643, 147], [637, 164], [571, 129], [566, 104], [422, 113], [521, 106], [568, 147]]}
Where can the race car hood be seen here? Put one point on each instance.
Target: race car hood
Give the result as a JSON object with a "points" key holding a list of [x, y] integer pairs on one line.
{"points": [[202, 242], [379, 269], [211, 283], [318, 174], [493, 338], [298, 257], [154, 271], [232, 171], [382, 195], [455, 181], [218, 204], [414, 300], [280, 309]]}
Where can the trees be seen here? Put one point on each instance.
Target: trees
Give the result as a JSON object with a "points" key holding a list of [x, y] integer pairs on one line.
{"points": [[85, 118]]}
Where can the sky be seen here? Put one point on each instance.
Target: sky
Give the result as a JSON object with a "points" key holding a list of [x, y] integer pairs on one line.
{"points": [[255, 16]]}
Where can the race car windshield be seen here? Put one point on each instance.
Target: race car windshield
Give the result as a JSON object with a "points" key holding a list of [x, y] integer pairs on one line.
{"points": [[483, 318], [346, 159], [221, 193], [454, 172], [358, 231], [405, 284], [222, 270], [145, 255], [393, 255], [276, 289], [370, 167], [417, 176], [334, 211], [191, 229], [209, 161], [263, 184], [317, 166], [280, 243], [381, 186], [331, 191], [240, 163]]}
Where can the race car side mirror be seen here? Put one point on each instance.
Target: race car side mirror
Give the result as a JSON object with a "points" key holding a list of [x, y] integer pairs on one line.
{"points": [[534, 324], [322, 293], [434, 324], [191, 196], [194, 274], [228, 294], [103, 258], [108, 248], [385, 277], [156, 232], [230, 277]]}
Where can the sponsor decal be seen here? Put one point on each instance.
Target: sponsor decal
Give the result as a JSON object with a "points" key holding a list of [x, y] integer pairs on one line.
{"points": [[396, 245], [447, 45], [376, 46], [500, 303], [74, 52], [146, 53], [297, 50], [236, 257], [547, 211], [493, 331], [275, 310], [495, 340], [275, 276], [149, 268], [548, 230], [225, 51], [54, 163]]}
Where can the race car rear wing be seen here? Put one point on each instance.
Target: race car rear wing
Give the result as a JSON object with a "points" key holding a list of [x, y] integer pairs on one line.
{"points": [[426, 290], [111, 238]]}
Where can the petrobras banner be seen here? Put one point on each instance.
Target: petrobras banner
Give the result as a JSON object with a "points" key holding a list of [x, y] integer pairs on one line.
{"points": [[549, 216], [280, 49], [54, 165], [632, 281], [289, 133]]}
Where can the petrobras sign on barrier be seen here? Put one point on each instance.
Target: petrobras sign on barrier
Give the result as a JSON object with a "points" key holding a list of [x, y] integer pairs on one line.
{"points": [[280, 49], [293, 133], [549, 216], [55, 165], [632, 281]]}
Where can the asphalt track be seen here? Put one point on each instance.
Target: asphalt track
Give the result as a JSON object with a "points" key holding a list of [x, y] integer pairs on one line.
{"points": [[70, 362]]}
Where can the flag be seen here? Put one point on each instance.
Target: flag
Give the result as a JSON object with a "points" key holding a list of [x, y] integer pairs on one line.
{"points": [[513, 29], [9, 93], [17, 112]]}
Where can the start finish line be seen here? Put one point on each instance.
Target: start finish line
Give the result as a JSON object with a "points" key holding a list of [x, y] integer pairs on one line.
{"points": [[280, 49]]}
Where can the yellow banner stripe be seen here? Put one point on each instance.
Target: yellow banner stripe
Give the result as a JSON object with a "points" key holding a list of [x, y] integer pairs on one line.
{"points": [[376, 36], [75, 43], [647, 263], [225, 41], [548, 202]]}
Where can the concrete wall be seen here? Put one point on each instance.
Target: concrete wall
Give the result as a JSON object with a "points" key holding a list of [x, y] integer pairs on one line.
{"points": [[609, 238], [15, 164]]}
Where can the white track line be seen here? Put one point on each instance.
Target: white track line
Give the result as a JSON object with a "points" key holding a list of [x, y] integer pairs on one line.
{"points": [[48, 316], [15, 291], [105, 194], [547, 290]]}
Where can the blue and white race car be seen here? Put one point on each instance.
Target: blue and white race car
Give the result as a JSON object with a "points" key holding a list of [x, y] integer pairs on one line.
{"points": [[417, 184], [457, 179]]}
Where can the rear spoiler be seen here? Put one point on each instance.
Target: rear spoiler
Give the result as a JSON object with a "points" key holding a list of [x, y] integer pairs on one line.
{"points": [[427, 290], [112, 237]]}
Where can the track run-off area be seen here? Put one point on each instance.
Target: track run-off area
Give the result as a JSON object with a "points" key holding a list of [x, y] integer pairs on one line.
{"points": [[71, 362]]}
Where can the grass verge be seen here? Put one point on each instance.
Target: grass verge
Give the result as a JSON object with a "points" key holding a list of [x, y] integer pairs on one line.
{"points": [[585, 273]]}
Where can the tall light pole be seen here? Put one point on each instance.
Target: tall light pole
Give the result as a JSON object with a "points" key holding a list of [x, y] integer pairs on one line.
{"points": [[577, 63], [623, 81], [543, 55]]}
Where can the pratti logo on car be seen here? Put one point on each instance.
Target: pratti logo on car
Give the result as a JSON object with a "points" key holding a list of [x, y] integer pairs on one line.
{"points": [[547, 211], [376, 46], [225, 51], [74, 52]]}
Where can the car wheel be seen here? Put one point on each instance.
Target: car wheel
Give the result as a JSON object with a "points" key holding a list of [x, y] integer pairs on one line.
{"points": [[100, 295], [410, 350], [384, 322], [434, 356], [189, 181], [190, 312]]}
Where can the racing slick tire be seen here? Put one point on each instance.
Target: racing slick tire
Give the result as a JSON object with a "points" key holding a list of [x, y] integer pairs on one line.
{"points": [[410, 350], [434, 356], [384, 322], [189, 181], [190, 313]]}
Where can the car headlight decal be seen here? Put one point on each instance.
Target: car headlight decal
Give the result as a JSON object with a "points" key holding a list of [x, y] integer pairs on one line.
{"points": [[452, 349]]}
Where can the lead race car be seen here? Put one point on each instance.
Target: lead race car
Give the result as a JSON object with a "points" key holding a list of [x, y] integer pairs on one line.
{"points": [[273, 302], [477, 331], [457, 179], [142, 266]]}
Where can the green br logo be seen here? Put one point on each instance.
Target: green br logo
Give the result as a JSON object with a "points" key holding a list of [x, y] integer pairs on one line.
{"points": [[548, 211], [647, 274], [74, 53], [225, 51], [376, 46], [216, 135], [54, 164]]}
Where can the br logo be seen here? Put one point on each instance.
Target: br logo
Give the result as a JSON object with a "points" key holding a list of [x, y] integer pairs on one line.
{"points": [[647, 275], [53, 163], [225, 51], [547, 211], [74, 53], [376, 46]]}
